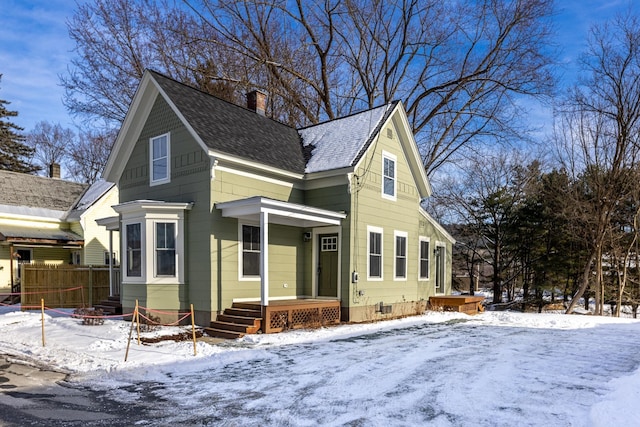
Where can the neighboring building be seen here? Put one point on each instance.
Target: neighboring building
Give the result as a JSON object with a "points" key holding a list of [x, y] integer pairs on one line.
{"points": [[204, 183], [47, 220]]}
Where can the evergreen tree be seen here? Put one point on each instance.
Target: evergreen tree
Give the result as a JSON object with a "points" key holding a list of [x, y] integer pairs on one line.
{"points": [[14, 153]]}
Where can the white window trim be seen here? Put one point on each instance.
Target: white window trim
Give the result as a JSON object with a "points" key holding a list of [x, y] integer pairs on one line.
{"points": [[392, 157], [241, 276], [441, 289], [153, 182], [404, 234], [372, 229], [147, 214], [125, 264], [314, 256], [155, 248], [428, 276]]}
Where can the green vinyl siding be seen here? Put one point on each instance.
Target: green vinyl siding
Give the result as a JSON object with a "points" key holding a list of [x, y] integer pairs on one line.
{"points": [[189, 182], [371, 209], [213, 243], [286, 264]]}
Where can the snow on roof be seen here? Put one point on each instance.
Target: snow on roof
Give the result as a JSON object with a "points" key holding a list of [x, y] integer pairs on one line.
{"points": [[338, 142], [93, 193], [44, 213]]}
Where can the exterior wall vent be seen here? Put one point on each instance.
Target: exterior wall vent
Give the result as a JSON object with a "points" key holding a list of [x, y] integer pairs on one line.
{"points": [[389, 133]]}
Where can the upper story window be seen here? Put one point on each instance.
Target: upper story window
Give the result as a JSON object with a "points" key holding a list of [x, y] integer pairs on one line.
{"points": [[250, 251], [374, 248], [159, 152], [388, 175]]}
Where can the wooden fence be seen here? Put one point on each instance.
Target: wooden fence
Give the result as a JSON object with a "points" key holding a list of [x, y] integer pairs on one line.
{"points": [[52, 282]]}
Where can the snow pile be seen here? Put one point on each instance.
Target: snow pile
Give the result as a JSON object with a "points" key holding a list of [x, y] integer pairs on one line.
{"points": [[498, 368]]}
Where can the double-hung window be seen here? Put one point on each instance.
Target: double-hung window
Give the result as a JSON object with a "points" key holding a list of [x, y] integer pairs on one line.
{"points": [[159, 153], [152, 248], [374, 248], [134, 250], [423, 256], [388, 175], [250, 251], [400, 260], [165, 249]]}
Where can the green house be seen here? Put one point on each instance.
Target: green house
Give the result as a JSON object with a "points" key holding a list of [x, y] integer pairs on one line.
{"points": [[220, 206]]}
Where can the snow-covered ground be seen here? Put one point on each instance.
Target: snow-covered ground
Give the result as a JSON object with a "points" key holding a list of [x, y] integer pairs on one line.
{"points": [[440, 369]]}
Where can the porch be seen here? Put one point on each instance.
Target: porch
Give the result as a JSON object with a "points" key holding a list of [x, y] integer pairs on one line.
{"points": [[280, 315], [461, 303]]}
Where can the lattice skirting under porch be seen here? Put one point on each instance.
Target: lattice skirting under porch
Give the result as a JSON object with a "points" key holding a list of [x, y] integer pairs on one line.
{"points": [[301, 315]]}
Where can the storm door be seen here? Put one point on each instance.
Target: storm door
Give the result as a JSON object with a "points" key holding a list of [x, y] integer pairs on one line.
{"points": [[328, 265]]}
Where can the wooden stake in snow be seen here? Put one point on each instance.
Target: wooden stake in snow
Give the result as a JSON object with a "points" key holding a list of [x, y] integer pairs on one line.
{"points": [[42, 317], [193, 331], [133, 319]]}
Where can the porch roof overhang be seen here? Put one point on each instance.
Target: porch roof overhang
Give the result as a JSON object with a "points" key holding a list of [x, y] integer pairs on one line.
{"points": [[283, 213], [112, 223], [17, 235]]}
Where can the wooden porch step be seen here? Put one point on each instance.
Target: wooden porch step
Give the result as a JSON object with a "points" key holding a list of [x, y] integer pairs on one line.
{"points": [[239, 319], [243, 312], [223, 333], [237, 327], [255, 306], [111, 305]]}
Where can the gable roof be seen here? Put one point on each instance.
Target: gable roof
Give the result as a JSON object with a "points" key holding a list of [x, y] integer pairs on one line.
{"points": [[341, 142], [89, 198], [25, 194], [232, 129], [227, 130]]}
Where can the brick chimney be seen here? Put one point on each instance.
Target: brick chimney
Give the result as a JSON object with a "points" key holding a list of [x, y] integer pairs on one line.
{"points": [[54, 170], [257, 101]]}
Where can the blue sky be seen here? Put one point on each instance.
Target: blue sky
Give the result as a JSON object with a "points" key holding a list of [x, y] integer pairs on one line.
{"points": [[35, 49]]}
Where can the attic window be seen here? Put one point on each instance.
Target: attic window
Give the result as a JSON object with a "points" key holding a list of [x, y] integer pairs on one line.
{"points": [[159, 152], [388, 176]]}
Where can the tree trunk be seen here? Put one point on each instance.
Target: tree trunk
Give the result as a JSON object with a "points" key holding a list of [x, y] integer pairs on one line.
{"points": [[497, 279], [583, 286], [598, 285]]}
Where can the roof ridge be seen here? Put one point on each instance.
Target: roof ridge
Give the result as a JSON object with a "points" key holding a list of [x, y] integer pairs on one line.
{"points": [[233, 104], [388, 104], [23, 174]]}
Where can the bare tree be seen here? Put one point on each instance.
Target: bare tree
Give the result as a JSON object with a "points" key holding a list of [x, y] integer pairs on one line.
{"points": [[459, 68], [51, 143], [117, 40], [89, 155], [598, 134], [486, 198]]}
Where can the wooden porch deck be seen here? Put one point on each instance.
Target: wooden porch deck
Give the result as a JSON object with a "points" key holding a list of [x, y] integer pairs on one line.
{"points": [[461, 303], [250, 317], [281, 315]]}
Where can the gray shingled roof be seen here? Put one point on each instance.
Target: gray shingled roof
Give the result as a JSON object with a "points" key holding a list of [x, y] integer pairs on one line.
{"points": [[12, 233], [20, 189], [235, 130]]}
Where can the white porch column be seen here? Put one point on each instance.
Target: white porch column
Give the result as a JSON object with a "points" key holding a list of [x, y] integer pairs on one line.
{"points": [[264, 258], [111, 286]]}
